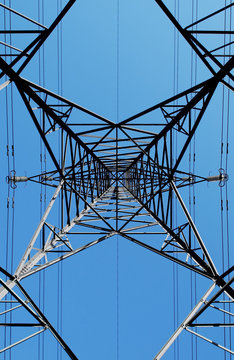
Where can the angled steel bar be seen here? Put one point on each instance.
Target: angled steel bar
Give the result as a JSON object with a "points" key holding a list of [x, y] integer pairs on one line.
{"points": [[183, 324], [22, 340], [208, 303], [71, 103], [208, 89], [48, 324], [70, 253], [163, 254], [193, 227], [168, 230], [23, 87], [210, 341], [165, 102], [209, 16], [219, 279], [24, 304], [35, 236], [26, 265], [22, 15], [38, 42], [190, 39], [41, 253]]}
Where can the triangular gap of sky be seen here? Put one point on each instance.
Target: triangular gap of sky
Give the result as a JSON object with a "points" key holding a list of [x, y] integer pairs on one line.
{"points": [[145, 281]]}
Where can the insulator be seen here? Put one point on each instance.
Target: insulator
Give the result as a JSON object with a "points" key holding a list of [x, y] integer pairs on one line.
{"points": [[222, 177], [12, 179], [19, 178], [213, 178]]}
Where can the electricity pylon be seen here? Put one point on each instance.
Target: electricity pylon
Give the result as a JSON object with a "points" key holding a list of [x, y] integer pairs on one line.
{"points": [[126, 183]]}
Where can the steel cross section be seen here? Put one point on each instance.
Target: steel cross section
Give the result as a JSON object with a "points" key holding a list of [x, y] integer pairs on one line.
{"points": [[183, 324], [21, 86], [66, 101], [194, 314], [196, 233], [80, 143], [163, 103], [207, 269], [200, 307], [24, 88], [207, 89], [24, 268], [38, 315], [191, 40], [38, 42]]}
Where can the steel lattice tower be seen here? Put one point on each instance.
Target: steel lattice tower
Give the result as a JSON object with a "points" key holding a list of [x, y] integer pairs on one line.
{"points": [[116, 178]]}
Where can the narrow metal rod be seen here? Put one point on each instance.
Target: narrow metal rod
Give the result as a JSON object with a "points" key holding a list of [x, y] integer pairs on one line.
{"points": [[46, 213], [219, 309], [179, 241], [63, 257], [208, 16], [207, 304], [183, 325], [23, 303], [210, 341], [163, 103], [166, 255], [196, 233], [212, 325], [22, 340], [46, 33], [3, 85], [23, 16], [10, 46], [58, 97], [49, 326], [39, 255], [11, 309]]}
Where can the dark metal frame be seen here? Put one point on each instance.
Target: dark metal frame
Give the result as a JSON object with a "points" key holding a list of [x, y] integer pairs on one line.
{"points": [[112, 176]]}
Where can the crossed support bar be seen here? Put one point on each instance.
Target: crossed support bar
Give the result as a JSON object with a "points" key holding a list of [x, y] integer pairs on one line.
{"points": [[124, 194], [37, 315], [201, 306]]}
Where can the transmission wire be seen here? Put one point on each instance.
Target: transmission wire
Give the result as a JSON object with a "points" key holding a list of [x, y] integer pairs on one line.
{"points": [[175, 146], [117, 192], [41, 68], [191, 166], [40, 203], [227, 207], [8, 190], [228, 331], [223, 244], [194, 164], [60, 265], [13, 192]]}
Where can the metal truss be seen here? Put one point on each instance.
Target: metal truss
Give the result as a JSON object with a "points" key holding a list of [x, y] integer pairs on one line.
{"points": [[116, 178]]}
